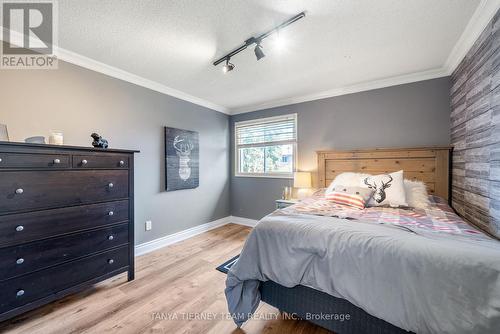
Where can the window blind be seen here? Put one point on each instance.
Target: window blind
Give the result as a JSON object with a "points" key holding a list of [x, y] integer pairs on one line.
{"points": [[272, 131]]}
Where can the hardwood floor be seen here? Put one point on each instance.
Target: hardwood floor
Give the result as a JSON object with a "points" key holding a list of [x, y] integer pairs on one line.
{"points": [[176, 290]]}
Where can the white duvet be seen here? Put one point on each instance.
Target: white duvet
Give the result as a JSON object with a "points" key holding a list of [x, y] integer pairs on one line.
{"points": [[421, 282]]}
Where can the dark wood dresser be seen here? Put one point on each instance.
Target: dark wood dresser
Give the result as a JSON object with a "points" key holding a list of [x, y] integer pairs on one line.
{"points": [[66, 221]]}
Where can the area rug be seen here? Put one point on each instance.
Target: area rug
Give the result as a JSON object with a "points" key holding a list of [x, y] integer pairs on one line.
{"points": [[224, 268]]}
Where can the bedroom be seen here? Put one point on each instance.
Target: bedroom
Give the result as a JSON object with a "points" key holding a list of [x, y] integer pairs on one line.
{"points": [[254, 166]]}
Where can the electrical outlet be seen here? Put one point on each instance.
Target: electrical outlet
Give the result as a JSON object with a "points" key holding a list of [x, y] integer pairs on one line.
{"points": [[149, 225]]}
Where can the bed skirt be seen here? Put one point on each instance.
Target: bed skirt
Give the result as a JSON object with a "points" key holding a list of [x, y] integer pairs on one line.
{"points": [[322, 309]]}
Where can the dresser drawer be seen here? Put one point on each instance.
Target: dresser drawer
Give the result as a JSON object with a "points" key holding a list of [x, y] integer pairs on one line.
{"points": [[30, 257], [25, 227], [28, 288], [25, 160], [30, 190], [100, 161]]}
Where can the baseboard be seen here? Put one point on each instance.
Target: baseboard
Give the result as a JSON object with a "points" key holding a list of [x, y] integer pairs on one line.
{"points": [[170, 239], [243, 221]]}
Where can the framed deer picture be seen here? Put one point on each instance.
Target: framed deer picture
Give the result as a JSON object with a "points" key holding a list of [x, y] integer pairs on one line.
{"points": [[181, 159]]}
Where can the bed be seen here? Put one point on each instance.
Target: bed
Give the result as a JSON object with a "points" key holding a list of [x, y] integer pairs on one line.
{"points": [[390, 270]]}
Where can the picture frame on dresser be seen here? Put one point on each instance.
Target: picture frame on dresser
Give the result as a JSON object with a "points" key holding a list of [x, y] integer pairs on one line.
{"points": [[66, 221]]}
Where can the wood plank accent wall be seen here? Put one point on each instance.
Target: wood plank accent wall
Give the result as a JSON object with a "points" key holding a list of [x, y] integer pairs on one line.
{"points": [[427, 164], [475, 131]]}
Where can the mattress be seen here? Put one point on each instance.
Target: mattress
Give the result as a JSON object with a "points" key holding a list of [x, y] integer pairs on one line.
{"points": [[422, 270]]}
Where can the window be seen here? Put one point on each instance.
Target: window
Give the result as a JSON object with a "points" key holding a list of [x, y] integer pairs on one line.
{"points": [[266, 147]]}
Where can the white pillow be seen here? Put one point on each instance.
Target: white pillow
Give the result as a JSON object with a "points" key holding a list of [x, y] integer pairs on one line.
{"points": [[347, 179], [389, 189], [416, 194]]}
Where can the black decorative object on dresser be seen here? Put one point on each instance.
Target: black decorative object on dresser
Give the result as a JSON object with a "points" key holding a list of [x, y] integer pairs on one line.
{"points": [[66, 221], [98, 141]]}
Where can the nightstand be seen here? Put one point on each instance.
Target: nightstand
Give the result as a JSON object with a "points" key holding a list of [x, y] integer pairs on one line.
{"points": [[283, 203]]}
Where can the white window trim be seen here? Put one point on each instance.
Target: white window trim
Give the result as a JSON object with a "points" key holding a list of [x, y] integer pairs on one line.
{"points": [[265, 175]]}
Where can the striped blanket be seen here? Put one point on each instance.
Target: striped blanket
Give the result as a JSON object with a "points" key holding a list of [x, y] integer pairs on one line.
{"points": [[439, 217]]}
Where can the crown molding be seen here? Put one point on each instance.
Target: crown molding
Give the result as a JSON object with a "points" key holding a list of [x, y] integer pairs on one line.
{"points": [[91, 64], [479, 20], [481, 17], [96, 66], [361, 87]]}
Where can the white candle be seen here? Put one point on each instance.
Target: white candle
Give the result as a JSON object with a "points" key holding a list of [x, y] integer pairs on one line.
{"points": [[56, 138]]}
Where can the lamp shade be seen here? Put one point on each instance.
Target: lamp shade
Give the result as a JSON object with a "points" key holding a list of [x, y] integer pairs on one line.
{"points": [[302, 180]]}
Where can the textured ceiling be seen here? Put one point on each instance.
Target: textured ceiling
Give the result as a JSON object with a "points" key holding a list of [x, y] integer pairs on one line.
{"points": [[339, 43]]}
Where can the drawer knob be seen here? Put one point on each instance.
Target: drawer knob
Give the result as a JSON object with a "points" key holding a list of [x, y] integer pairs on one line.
{"points": [[1, 160], [57, 161], [111, 185], [111, 237], [111, 261], [84, 162], [20, 293], [20, 261], [122, 163], [19, 228], [19, 191], [111, 213]]}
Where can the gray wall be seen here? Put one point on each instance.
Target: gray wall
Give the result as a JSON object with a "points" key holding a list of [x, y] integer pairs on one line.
{"points": [[78, 101], [416, 114], [475, 133]]}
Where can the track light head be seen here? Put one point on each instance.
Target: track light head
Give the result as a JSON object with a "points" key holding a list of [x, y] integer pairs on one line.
{"points": [[228, 66], [255, 40], [258, 52]]}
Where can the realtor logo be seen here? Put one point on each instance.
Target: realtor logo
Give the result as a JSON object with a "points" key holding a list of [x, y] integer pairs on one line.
{"points": [[29, 34]]}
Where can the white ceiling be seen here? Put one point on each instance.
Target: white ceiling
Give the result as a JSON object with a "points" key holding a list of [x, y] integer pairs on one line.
{"points": [[340, 46]]}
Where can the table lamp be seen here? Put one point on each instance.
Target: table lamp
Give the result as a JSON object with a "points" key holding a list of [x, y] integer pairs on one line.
{"points": [[302, 181]]}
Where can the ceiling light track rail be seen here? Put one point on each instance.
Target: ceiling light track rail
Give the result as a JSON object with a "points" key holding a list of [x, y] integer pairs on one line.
{"points": [[257, 40]]}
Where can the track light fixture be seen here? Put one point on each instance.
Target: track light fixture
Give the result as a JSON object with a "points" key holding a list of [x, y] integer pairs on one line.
{"points": [[257, 41], [228, 67], [258, 52]]}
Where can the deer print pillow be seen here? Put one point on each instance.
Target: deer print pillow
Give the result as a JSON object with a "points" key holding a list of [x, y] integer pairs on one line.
{"points": [[388, 189]]}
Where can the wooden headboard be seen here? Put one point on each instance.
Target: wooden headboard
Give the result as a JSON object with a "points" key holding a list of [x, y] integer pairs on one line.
{"points": [[428, 164]]}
